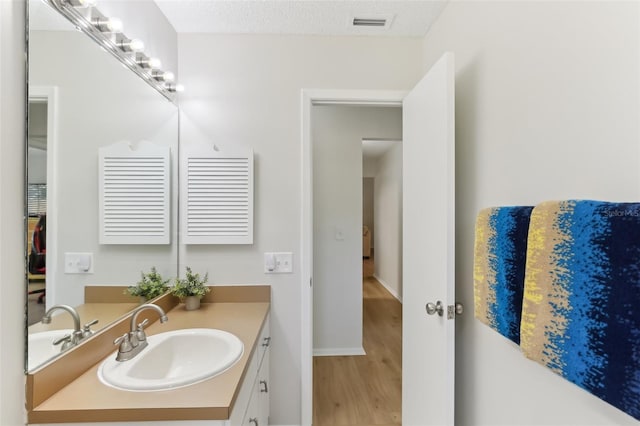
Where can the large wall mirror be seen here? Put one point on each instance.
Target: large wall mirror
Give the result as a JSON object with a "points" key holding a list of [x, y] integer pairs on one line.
{"points": [[81, 98]]}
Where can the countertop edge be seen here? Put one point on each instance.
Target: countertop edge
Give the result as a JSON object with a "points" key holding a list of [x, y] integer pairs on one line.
{"points": [[130, 415]]}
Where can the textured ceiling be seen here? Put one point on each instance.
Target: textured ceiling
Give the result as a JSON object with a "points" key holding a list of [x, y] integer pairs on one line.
{"points": [[318, 17]]}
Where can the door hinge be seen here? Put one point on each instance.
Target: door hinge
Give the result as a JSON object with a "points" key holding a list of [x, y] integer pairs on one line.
{"points": [[311, 282]]}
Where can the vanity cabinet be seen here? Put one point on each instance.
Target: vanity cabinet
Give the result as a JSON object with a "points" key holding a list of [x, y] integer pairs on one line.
{"points": [[252, 406], [263, 390], [258, 409]]}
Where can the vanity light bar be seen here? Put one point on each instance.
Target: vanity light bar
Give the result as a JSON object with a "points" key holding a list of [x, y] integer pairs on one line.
{"points": [[107, 32]]}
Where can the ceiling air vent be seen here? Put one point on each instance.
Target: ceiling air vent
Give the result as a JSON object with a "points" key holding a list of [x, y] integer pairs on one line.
{"points": [[380, 22], [369, 22]]}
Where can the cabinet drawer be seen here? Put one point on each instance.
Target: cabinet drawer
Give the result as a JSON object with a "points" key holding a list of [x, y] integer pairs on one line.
{"points": [[241, 409], [264, 341]]}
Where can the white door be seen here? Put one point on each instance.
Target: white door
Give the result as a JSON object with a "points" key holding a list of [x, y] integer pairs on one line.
{"points": [[428, 248]]}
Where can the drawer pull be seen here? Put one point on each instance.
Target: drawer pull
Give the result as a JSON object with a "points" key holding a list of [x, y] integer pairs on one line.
{"points": [[264, 389], [266, 341], [254, 420]]}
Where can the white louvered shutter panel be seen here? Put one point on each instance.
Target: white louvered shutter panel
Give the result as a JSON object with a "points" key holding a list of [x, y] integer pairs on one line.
{"points": [[134, 194], [216, 197]]}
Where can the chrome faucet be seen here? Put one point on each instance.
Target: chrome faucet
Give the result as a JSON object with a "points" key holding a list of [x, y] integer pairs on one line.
{"points": [[70, 340], [131, 343]]}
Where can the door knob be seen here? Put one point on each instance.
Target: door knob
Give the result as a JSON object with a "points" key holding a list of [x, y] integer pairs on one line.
{"points": [[459, 308], [438, 308]]}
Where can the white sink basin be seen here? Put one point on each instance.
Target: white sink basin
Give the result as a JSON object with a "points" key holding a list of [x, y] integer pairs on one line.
{"points": [[174, 359], [41, 347]]}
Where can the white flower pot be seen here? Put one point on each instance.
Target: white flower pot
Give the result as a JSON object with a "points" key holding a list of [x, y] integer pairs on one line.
{"points": [[191, 303]]}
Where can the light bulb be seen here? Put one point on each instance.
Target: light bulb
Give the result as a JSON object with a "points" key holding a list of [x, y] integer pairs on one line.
{"points": [[114, 25], [168, 76], [174, 87], [136, 45], [160, 75], [149, 63], [154, 63], [130, 45], [110, 25]]}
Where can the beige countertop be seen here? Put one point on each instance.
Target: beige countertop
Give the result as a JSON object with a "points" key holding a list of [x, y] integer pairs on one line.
{"points": [[86, 399]]}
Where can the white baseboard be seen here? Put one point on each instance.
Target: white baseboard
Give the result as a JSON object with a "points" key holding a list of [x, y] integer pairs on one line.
{"points": [[389, 289], [338, 351]]}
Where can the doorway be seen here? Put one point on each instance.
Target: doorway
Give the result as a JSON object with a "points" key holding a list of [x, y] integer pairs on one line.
{"points": [[40, 197], [323, 98], [361, 389], [36, 209], [338, 131]]}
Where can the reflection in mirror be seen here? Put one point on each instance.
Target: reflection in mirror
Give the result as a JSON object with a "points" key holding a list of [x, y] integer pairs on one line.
{"points": [[81, 99]]}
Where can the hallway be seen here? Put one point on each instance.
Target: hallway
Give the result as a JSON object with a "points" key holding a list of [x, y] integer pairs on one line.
{"points": [[364, 390]]}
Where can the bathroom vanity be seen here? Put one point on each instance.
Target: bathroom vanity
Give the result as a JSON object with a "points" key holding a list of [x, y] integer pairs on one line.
{"points": [[237, 396]]}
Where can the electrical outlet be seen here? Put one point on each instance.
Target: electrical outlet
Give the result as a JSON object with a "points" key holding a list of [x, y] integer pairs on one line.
{"points": [[278, 263]]}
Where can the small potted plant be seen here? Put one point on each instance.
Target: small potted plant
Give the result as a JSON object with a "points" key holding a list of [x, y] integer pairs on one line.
{"points": [[191, 289], [151, 285]]}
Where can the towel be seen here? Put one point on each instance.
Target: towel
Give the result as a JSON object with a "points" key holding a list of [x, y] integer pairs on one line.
{"points": [[581, 309], [499, 268]]}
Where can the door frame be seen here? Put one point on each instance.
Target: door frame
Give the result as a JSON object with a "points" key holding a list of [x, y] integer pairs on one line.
{"points": [[309, 98]]}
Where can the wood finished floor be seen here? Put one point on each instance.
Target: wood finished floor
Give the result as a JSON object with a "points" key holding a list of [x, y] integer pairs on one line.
{"points": [[364, 390]]}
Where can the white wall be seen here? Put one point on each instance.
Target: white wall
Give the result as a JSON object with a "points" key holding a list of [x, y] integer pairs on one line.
{"points": [[12, 242], [547, 106], [388, 214], [247, 93], [337, 133], [37, 172], [37, 134]]}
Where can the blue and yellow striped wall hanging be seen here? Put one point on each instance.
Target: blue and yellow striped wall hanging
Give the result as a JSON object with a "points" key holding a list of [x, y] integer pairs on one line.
{"points": [[499, 268], [581, 309]]}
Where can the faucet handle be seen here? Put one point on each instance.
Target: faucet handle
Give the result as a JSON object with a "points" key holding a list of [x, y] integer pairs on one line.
{"points": [[66, 340], [143, 324], [124, 342], [86, 329], [140, 334]]}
